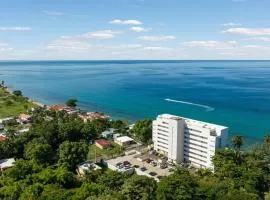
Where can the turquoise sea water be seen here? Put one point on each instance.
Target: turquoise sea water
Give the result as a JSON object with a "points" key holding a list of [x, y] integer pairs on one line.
{"points": [[231, 93]]}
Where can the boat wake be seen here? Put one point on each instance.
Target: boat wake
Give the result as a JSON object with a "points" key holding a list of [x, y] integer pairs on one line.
{"points": [[207, 108]]}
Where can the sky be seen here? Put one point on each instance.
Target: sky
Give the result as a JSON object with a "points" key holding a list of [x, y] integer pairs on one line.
{"points": [[134, 29]]}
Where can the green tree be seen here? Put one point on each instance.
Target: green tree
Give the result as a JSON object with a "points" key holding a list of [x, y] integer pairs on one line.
{"points": [[120, 125], [178, 186], [72, 103], [46, 176], [22, 169], [142, 130], [237, 142], [32, 192], [111, 196], [139, 188], [72, 153], [65, 177], [89, 131], [70, 129], [17, 93], [40, 153], [88, 189], [112, 180], [55, 192]]}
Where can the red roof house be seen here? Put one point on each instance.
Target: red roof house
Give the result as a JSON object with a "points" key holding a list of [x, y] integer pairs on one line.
{"points": [[102, 144], [3, 138]]}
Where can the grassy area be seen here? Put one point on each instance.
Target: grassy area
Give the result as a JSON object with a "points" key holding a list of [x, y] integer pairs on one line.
{"points": [[116, 150], [11, 105]]}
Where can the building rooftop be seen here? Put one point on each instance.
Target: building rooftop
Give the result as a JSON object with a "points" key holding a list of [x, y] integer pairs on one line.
{"points": [[3, 138], [206, 125], [57, 107], [102, 142], [124, 139], [87, 165], [6, 163]]}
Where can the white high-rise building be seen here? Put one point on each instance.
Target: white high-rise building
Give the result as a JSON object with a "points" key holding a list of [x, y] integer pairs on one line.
{"points": [[188, 140]]}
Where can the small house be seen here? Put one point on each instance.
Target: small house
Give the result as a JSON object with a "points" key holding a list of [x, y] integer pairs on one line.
{"points": [[124, 141], [87, 166], [3, 138], [6, 163], [102, 144], [108, 133], [24, 118]]}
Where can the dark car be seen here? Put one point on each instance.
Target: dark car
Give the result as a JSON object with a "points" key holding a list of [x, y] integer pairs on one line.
{"points": [[126, 163], [171, 170], [136, 166], [143, 169], [153, 173]]}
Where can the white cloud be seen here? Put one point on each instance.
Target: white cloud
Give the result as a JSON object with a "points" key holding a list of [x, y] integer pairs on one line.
{"points": [[259, 47], [161, 38], [264, 39], [15, 28], [106, 34], [249, 31], [211, 44], [157, 48], [53, 13], [3, 44], [68, 44], [126, 22], [232, 24], [126, 46], [138, 29], [4, 47]]}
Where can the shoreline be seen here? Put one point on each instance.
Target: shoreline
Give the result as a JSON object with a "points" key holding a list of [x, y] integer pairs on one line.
{"points": [[8, 89]]}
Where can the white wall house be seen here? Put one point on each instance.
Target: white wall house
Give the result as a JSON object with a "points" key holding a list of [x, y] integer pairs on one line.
{"points": [[187, 140]]}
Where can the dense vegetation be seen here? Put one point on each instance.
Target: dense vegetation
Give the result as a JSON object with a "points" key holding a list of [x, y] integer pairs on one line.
{"points": [[47, 155], [13, 104]]}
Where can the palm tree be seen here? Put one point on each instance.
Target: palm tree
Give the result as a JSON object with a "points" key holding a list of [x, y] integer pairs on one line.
{"points": [[237, 142], [267, 139]]}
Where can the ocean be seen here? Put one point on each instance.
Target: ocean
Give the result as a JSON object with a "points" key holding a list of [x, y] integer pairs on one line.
{"points": [[231, 93]]}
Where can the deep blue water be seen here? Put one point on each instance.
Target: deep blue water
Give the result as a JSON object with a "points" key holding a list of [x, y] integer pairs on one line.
{"points": [[238, 92]]}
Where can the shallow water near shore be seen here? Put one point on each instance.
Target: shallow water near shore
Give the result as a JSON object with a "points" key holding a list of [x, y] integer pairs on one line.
{"points": [[231, 93]]}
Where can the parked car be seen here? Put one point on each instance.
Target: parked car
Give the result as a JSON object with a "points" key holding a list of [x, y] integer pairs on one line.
{"points": [[136, 166], [143, 169], [163, 166], [171, 170], [148, 160], [153, 173], [126, 163]]}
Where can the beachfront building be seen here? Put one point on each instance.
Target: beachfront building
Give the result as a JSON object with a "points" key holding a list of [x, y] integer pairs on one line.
{"points": [[59, 107], [89, 116], [187, 140], [24, 118]]}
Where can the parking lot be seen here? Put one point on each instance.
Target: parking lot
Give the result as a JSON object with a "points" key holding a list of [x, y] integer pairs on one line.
{"points": [[141, 164]]}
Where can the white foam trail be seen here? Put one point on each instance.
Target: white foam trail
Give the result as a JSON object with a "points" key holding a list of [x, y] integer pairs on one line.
{"points": [[208, 108]]}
